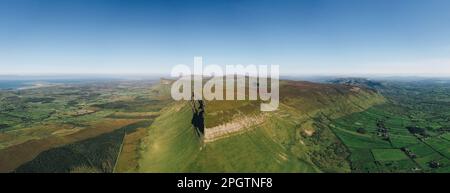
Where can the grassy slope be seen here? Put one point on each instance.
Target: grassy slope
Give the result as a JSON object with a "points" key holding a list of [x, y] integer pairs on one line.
{"points": [[278, 145], [171, 141], [257, 150]]}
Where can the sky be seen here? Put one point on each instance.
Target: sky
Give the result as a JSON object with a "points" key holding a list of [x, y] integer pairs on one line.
{"points": [[152, 36]]}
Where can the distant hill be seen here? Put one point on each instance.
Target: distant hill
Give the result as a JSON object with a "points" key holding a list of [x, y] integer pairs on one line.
{"points": [[363, 82]]}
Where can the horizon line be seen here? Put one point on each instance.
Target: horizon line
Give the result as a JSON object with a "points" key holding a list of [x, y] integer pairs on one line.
{"points": [[439, 75]]}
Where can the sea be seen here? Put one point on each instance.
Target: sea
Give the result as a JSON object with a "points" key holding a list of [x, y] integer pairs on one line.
{"points": [[13, 84], [18, 84]]}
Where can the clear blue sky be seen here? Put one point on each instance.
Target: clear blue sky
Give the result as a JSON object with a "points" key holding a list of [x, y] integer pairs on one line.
{"points": [[302, 36]]}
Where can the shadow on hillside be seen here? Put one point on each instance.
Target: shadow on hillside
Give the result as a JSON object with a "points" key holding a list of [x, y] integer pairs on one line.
{"points": [[198, 110]]}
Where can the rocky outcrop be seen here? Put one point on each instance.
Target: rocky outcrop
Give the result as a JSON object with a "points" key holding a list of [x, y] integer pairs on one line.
{"points": [[236, 126]]}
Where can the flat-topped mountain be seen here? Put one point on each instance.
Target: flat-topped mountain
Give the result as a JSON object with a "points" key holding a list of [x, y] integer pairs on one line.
{"points": [[238, 137]]}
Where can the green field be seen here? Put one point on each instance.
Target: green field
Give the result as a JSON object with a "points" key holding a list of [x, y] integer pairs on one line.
{"points": [[378, 139], [382, 155]]}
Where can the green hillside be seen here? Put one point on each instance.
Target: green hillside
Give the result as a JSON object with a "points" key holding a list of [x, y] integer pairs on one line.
{"points": [[290, 139]]}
